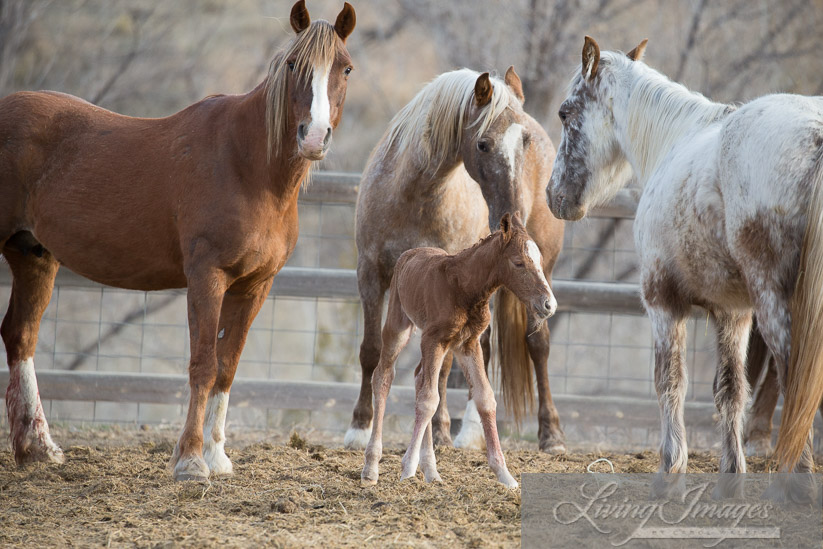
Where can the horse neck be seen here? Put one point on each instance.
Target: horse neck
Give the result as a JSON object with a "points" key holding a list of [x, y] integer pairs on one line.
{"points": [[420, 180], [658, 115], [281, 174], [476, 269]]}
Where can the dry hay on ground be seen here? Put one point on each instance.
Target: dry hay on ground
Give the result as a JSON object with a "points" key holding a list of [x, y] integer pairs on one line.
{"points": [[115, 491]]}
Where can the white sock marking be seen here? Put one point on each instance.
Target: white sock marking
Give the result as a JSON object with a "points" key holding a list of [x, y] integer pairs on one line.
{"points": [[214, 434], [357, 438]]}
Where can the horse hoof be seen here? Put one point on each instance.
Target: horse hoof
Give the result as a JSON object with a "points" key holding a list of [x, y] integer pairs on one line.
{"points": [[668, 486], [184, 477], [366, 482], [553, 447], [442, 439], [356, 438], [433, 478], [508, 481], [760, 447]]}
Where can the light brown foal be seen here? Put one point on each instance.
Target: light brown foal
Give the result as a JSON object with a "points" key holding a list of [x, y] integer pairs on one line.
{"points": [[447, 297]]}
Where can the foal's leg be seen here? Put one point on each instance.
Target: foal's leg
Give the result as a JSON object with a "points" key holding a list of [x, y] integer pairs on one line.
{"points": [[730, 395], [425, 400], [372, 289], [758, 432], [441, 422], [550, 435], [205, 296], [471, 429], [669, 330], [396, 335], [30, 294], [472, 364], [240, 307]]}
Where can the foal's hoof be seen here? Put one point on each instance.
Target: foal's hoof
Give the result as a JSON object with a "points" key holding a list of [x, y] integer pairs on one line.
{"points": [[668, 486], [797, 488], [508, 481]]}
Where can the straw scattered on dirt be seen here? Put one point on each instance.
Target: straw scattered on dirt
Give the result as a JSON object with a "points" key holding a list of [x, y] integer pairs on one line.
{"points": [[114, 490]]}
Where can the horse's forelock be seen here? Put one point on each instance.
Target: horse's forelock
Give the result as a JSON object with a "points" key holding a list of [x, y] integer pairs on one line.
{"points": [[314, 47], [433, 121]]}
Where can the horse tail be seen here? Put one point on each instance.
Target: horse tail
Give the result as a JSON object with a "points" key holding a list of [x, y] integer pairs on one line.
{"points": [[804, 381], [511, 360]]}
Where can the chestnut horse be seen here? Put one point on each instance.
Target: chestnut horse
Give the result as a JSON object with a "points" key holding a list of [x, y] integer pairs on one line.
{"points": [[452, 162], [205, 199], [447, 298], [729, 216]]}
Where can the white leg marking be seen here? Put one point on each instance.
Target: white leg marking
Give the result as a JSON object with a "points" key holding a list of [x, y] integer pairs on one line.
{"points": [[511, 140], [471, 431], [30, 431], [214, 435], [356, 439]]}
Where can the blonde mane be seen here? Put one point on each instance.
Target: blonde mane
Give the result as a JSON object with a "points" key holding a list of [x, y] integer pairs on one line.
{"points": [[660, 112], [314, 47], [432, 123]]}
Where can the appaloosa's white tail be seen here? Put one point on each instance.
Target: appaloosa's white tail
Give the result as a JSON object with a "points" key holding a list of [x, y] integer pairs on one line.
{"points": [[804, 384], [511, 359]]}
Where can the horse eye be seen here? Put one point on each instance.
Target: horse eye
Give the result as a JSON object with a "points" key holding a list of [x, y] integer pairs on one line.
{"points": [[519, 264], [562, 115], [348, 71], [291, 66], [482, 146]]}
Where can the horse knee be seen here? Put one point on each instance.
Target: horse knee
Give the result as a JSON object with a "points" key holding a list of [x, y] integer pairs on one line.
{"points": [[485, 402]]}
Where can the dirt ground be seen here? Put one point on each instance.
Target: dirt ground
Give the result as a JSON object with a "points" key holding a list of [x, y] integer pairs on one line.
{"points": [[114, 490]]}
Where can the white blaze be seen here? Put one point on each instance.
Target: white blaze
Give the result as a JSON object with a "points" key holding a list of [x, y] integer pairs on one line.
{"points": [[537, 259], [511, 139], [320, 107]]}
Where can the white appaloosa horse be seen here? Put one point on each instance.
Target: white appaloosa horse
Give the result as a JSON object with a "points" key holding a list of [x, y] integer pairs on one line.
{"points": [[729, 217]]}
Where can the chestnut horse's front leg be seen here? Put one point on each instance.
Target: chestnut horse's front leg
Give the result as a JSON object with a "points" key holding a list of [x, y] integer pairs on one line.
{"points": [[240, 307], [205, 297], [483, 396]]}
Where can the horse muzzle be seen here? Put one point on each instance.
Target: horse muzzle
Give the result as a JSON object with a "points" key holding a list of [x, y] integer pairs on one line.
{"points": [[313, 140], [545, 307], [563, 208]]}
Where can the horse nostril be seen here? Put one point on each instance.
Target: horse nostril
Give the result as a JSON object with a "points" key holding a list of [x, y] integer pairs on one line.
{"points": [[327, 138], [547, 306], [301, 132]]}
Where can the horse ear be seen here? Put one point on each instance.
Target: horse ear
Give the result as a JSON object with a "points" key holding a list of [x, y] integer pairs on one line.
{"points": [[506, 223], [637, 53], [513, 81], [591, 57], [345, 22], [517, 220], [300, 19], [483, 90]]}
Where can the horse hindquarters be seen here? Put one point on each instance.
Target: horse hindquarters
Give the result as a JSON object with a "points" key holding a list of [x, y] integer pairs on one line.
{"points": [[33, 280]]}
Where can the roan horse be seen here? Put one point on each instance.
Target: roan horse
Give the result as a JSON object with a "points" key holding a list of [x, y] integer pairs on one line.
{"points": [[447, 298], [729, 216], [204, 199], [453, 161]]}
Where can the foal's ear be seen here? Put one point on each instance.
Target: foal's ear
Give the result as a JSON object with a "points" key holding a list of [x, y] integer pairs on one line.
{"points": [[300, 19], [591, 57], [513, 81], [506, 224], [637, 53], [483, 90], [345, 22], [517, 220]]}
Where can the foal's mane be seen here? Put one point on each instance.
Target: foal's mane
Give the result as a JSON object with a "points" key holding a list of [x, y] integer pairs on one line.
{"points": [[660, 111], [315, 46], [432, 122]]}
